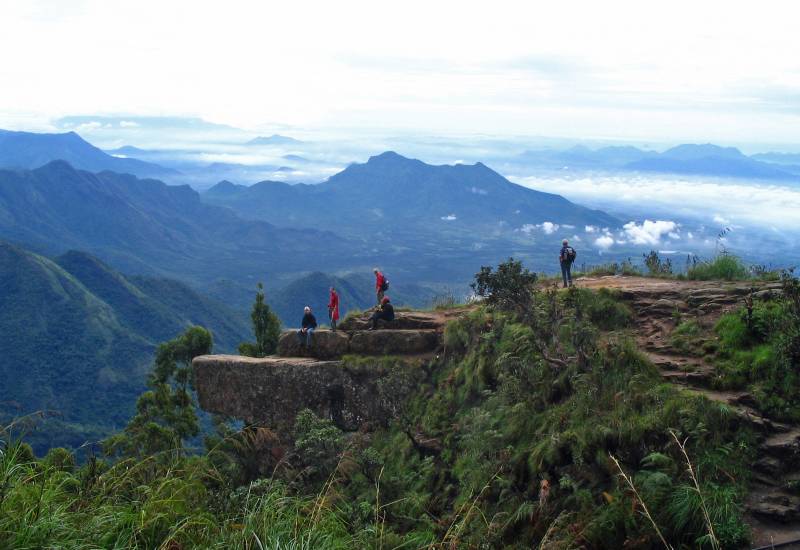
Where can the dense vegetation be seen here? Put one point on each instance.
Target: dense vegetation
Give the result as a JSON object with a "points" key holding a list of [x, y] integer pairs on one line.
{"points": [[77, 337], [541, 428]]}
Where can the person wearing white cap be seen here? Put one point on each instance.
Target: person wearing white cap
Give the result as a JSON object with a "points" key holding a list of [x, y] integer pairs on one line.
{"points": [[307, 327]]}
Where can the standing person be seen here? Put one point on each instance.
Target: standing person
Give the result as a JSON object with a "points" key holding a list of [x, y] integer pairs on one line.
{"points": [[566, 257], [307, 327], [333, 308], [381, 284], [384, 313]]}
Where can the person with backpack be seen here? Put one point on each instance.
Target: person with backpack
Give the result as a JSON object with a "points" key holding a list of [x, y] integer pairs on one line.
{"points": [[307, 327], [333, 308], [381, 284], [566, 258], [384, 313]]}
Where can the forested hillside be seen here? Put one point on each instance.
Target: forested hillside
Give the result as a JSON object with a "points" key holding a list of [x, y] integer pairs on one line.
{"points": [[78, 338]]}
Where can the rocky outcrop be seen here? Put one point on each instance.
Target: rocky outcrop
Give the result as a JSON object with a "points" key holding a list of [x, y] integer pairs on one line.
{"points": [[326, 344], [271, 391]]}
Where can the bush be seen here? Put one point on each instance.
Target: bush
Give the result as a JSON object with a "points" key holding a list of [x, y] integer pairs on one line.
{"points": [[509, 288], [657, 267], [725, 267]]}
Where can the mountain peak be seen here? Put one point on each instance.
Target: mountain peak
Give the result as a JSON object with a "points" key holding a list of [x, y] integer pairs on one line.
{"points": [[693, 151]]}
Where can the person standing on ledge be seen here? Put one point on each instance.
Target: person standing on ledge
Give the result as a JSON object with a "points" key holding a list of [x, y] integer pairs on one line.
{"points": [[307, 327], [381, 284], [333, 308], [384, 313], [566, 257]]}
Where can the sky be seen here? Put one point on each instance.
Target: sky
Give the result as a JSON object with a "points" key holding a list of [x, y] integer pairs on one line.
{"points": [[726, 72]]}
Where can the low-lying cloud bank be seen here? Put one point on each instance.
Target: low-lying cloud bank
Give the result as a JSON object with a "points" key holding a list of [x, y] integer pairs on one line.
{"points": [[717, 202]]}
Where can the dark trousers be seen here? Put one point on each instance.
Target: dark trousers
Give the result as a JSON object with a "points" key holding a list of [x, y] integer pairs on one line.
{"points": [[566, 274], [380, 316], [304, 338]]}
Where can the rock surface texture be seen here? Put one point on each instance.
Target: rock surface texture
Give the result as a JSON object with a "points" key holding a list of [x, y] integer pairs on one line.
{"points": [[271, 391]]}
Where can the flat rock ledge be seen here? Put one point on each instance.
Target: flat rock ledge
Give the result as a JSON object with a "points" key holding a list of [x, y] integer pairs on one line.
{"points": [[333, 345], [271, 391]]}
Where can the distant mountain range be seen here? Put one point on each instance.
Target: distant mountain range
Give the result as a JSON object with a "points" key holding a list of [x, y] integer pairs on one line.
{"points": [[707, 159], [26, 150], [78, 338], [275, 139], [146, 226], [391, 197]]}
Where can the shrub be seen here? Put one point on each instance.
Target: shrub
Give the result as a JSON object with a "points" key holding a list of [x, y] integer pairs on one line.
{"points": [[655, 265], [725, 267], [509, 288]]}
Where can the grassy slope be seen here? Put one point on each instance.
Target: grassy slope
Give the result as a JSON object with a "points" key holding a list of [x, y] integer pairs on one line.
{"points": [[513, 451], [78, 337]]}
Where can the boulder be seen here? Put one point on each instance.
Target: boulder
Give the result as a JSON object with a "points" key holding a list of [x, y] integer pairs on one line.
{"points": [[271, 391], [404, 320], [326, 345], [394, 342]]}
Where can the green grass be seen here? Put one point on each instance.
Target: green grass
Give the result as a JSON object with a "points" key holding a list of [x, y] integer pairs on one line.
{"points": [[521, 420], [725, 267]]}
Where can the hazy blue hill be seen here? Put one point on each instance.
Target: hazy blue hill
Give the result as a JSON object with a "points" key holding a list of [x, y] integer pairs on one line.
{"points": [[778, 158], [275, 139], [146, 226], [581, 156], [690, 151], [392, 195], [78, 337], [711, 160], [356, 291], [32, 150]]}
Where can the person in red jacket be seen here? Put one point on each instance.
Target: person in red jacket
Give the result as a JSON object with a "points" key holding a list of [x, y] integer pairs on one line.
{"points": [[381, 284], [333, 308]]}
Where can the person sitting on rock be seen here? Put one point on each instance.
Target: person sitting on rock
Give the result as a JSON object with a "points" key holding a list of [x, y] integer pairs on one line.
{"points": [[566, 258], [381, 284], [384, 313], [333, 308], [307, 327]]}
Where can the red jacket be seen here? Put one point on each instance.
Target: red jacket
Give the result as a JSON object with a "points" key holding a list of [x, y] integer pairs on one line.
{"points": [[379, 279], [333, 306]]}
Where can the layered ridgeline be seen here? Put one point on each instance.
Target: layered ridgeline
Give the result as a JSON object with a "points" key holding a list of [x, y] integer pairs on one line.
{"points": [[78, 339], [426, 225], [695, 159], [31, 150], [146, 226], [405, 200]]}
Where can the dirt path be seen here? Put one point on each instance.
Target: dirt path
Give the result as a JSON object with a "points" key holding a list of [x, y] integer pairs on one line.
{"points": [[773, 506]]}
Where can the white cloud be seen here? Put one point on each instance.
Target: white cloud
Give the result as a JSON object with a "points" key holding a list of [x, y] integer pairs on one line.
{"points": [[649, 232], [449, 217], [88, 127], [527, 228], [605, 242], [674, 235], [128, 124], [591, 229], [685, 75], [748, 203], [478, 191], [549, 227]]}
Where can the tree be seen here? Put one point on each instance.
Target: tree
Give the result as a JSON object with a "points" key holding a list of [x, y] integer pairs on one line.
{"points": [[509, 288], [165, 413], [266, 326]]}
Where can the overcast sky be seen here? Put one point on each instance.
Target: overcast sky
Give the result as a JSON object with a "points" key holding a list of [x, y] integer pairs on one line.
{"points": [[664, 71]]}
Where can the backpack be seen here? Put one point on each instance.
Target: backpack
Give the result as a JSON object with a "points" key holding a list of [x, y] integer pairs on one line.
{"points": [[385, 285], [571, 254]]}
